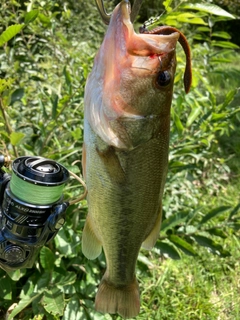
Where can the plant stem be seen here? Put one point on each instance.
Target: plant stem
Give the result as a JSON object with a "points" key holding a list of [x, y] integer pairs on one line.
{"points": [[7, 124], [135, 9], [49, 136]]}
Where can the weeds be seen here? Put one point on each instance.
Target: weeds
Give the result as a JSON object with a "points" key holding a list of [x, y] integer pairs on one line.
{"points": [[44, 66]]}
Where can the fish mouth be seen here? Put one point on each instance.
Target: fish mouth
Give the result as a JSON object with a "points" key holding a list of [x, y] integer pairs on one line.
{"points": [[125, 8], [140, 44]]}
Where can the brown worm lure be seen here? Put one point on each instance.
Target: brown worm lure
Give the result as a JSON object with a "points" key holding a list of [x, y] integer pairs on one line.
{"points": [[166, 30]]}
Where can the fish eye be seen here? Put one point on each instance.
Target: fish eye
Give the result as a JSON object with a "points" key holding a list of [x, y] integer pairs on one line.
{"points": [[163, 78]]}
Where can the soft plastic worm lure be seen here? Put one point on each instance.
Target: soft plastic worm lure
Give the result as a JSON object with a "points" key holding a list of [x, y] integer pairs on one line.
{"points": [[166, 30]]}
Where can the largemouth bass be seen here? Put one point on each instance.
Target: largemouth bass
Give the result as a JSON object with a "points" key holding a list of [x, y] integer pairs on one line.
{"points": [[125, 155]]}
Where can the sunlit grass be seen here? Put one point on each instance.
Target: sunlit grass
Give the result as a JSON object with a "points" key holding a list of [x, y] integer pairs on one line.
{"points": [[203, 288], [206, 287]]}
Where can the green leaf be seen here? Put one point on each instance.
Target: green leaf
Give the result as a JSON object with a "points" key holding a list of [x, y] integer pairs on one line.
{"points": [[204, 29], [201, 37], [23, 303], [174, 220], [17, 95], [192, 20], [30, 16], [207, 7], [213, 213], [47, 259], [64, 244], [44, 112], [145, 260], [231, 113], [166, 249], [219, 116], [190, 229], [5, 288], [234, 211], [17, 274], [77, 134], [183, 245], [16, 137], [177, 122], [53, 301], [10, 32], [211, 245], [228, 99], [235, 226], [167, 5], [221, 34], [224, 44], [5, 84], [54, 105], [196, 110], [73, 309], [27, 289], [67, 76], [44, 281], [217, 232], [44, 19], [220, 60], [67, 279]]}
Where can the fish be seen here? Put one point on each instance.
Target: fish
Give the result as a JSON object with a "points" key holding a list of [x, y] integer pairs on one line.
{"points": [[127, 104]]}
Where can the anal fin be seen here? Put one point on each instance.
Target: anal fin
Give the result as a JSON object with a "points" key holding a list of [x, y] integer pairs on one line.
{"points": [[151, 239], [91, 245]]}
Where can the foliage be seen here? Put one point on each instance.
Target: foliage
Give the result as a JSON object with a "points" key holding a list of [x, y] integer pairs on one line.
{"points": [[47, 51]]}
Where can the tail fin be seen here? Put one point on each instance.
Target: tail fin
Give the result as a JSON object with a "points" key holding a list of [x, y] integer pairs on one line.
{"points": [[123, 300]]}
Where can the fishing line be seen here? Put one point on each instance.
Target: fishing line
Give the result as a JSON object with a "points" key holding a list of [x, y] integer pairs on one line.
{"points": [[42, 194], [35, 193], [81, 197]]}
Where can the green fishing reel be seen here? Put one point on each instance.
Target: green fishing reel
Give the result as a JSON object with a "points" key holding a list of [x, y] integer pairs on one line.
{"points": [[32, 209]]}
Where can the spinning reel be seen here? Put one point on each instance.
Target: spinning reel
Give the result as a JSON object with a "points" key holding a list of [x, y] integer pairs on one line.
{"points": [[32, 209]]}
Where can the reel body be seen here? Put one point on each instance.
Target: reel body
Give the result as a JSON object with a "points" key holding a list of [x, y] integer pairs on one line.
{"points": [[26, 222]]}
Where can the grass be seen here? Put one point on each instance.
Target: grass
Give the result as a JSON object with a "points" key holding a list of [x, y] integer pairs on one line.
{"points": [[181, 294], [190, 289], [203, 287], [207, 287]]}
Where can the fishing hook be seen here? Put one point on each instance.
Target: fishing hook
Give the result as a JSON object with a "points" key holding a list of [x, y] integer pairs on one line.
{"points": [[106, 16], [160, 61]]}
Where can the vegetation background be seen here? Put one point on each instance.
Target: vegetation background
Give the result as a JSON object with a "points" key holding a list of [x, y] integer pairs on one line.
{"points": [[47, 49]]}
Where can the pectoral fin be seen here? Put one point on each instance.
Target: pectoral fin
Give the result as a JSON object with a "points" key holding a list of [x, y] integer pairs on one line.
{"points": [[151, 239], [91, 245], [112, 164]]}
